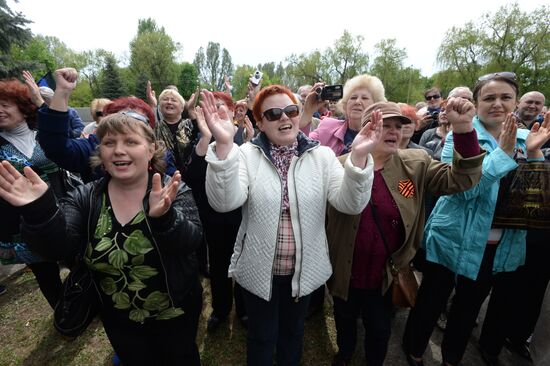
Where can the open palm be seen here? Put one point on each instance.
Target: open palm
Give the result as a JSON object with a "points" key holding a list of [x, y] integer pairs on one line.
{"points": [[18, 189], [217, 119], [369, 136], [161, 198]]}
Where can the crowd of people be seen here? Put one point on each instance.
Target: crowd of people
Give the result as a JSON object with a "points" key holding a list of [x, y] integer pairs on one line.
{"points": [[277, 199]]}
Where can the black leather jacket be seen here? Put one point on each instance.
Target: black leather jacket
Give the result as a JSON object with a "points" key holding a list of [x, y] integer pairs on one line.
{"points": [[62, 231]]}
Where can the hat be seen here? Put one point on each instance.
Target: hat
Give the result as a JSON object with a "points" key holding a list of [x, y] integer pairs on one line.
{"points": [[46, 92], [388, 109]]}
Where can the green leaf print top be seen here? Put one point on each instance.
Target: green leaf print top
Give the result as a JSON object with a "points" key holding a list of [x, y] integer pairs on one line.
{"points": [[128, 267]]}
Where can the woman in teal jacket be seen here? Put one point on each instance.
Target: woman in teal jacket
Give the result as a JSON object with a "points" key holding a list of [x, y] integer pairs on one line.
{"points": [[463, 250]]}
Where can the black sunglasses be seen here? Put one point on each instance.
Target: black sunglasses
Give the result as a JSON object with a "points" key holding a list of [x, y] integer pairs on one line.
{"points": [[136, 115], [505, 74], [274, 114], [430, 97]]}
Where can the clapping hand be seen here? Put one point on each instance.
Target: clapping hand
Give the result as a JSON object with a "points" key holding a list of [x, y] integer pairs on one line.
{"points": [[507, 137], [161, 198], [460, 113], [219, 123], [151, 95], [366, 140], [18, 189], [36, 98], [540, 133]]}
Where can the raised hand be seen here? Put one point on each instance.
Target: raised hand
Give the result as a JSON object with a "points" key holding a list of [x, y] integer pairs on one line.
{"points": [[366, 140], [460, 113], [249, 129], [540, 133], [161, 198], [202, 146], [36, 98], [65, 79], [507, 137], [190, 106], [17, 189], [219, 123], [151, 95]]}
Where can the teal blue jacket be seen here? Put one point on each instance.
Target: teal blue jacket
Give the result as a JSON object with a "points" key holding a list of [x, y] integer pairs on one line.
{"points": [[458, 228]]}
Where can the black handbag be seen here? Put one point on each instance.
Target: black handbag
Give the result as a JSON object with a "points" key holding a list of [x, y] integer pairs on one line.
{"points": [[524, 197], [79, 303]]}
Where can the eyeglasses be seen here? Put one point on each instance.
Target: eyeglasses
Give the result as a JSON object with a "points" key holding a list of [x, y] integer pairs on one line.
{"points": [[136, 115], [430, 97], [274, 114], [505, 74]]}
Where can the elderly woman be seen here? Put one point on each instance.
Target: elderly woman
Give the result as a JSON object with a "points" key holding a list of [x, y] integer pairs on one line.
{"points": [[18, 146], [137, 235], [434, 138], [390, 228], [282, 180], [463, 251], [177, 133], [359, 93]]}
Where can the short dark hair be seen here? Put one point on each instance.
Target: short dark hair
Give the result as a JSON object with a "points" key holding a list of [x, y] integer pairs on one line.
{"points": [[481, 83]]}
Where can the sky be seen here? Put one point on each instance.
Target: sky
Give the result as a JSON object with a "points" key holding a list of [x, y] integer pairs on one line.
{"points": [[259, 31]]}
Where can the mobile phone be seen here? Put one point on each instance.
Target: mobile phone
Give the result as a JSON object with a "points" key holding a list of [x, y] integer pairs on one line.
{"points": [[257, 77]]}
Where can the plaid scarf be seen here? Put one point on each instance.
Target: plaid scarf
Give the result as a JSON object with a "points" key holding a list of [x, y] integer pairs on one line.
{"points": [[282, 156]]}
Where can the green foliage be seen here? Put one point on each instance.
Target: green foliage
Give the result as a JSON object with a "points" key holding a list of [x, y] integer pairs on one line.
{"points": [[213, 65], [346, 58], [240, 81], [95, 62], [188, 80], [111, 82], [401, 84], [13, 30], [509, 40], [141, 86], [81, 96], [152, 52]]}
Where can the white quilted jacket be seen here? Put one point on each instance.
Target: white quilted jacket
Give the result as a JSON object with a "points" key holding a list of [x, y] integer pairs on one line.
{"points": [[248, 178]]}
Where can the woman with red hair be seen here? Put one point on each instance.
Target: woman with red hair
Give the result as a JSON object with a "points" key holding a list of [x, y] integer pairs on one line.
{"points": [[283, 181], [18, 145], [74, 154]]}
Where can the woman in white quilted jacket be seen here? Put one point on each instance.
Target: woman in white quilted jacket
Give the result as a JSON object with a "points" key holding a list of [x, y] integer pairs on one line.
{"points": [[283, 181]]}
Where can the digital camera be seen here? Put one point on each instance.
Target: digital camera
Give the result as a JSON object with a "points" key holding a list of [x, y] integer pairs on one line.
{"points": [[256, 78], [330, 92]]}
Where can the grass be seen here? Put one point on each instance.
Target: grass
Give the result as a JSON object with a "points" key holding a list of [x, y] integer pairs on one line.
{"points": [[28, 337]]}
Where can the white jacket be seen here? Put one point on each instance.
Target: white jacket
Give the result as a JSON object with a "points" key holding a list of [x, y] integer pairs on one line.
{"points": [[249, 179]]}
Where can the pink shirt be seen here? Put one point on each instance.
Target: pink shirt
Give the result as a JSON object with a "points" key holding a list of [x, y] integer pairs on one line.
{"points": [[330, 133]]}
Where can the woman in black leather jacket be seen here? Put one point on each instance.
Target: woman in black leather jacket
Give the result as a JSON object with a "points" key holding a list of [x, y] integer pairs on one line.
{"points": [[137, 235]]}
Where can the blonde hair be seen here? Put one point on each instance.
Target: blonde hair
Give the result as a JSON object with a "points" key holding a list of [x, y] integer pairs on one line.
{"points": [[122, 124], [173, 93], [369, 82], [97, 106]]}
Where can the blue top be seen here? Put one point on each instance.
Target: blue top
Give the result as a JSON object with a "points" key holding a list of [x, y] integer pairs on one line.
{"points": [[69, 153], [457, 230]]}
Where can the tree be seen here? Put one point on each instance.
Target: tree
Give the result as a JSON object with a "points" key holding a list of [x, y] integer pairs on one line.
{"points": [[95, 62], [188, 80], [13, 32], [240, 81], [306, 69], [152, 52], [111, 83], [509, 40], [346, 58], [213, 65]]}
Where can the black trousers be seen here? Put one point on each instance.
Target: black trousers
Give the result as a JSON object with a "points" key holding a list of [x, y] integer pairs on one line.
{"points": [[375, 310], [49, 281], [221, 240], [156, 342], [516, 300], [437, 284]]}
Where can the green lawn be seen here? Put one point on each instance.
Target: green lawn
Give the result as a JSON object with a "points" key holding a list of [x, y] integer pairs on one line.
{"points": [[27, 336]]}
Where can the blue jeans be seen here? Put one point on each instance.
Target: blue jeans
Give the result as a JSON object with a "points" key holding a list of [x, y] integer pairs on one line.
{"points": [[277, 323]]}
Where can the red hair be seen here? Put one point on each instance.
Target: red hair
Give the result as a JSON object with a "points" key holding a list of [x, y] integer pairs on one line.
{"points": [[267, 92], [134, 103], [14, 91], [226, 98], [408, 111]]}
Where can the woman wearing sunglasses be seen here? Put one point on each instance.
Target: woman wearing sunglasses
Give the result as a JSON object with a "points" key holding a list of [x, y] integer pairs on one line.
{"points": [[463, 250], [283, 180]]}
